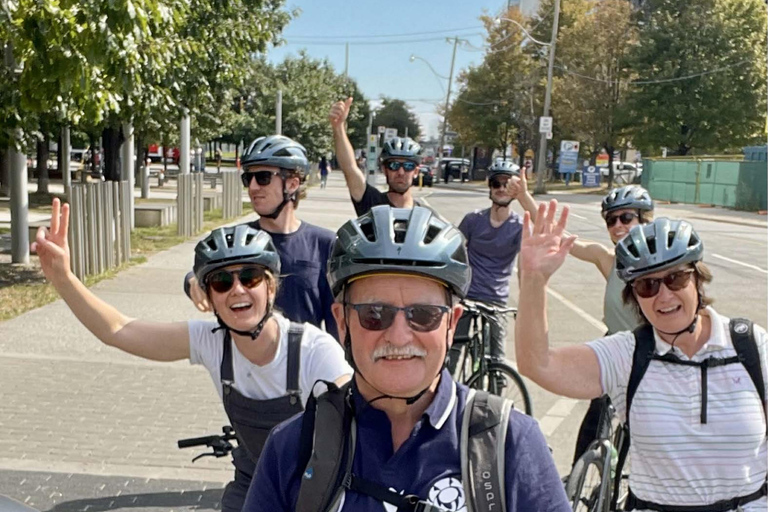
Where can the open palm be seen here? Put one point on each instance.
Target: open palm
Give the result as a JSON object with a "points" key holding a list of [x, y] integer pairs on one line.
{"points": [[544, 247], [51, 243]]}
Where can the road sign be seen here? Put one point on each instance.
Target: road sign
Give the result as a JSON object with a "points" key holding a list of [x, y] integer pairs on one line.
{"points": [[545, 124], [590, 176], [569, 145], [381, 129], [602, 160], [569, 156], [390, 133]]}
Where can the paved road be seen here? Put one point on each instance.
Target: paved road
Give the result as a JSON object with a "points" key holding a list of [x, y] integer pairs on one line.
{"points": [[84, 427]]}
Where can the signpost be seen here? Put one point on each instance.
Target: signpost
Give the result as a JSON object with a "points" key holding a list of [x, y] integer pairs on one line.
{"points": [[590, 176], [602, 160], [372, 157], [545, 124], [381, 129], [390, 133], [569, 156]]}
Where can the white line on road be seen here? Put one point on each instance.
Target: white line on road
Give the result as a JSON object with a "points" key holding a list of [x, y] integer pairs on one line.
{"points": [[556, 415], [753, 267], [571, 214], [594, 322]]}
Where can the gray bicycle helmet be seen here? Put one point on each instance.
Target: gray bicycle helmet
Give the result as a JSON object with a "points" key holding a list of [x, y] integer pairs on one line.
{"points": [[632, 197], [234, 245], [400, 240], [277, 150], [503, 168], [401, 147], [656, 246]]}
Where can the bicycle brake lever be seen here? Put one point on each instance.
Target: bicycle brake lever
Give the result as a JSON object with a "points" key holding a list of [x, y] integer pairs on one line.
{"points": [[203, 455]]}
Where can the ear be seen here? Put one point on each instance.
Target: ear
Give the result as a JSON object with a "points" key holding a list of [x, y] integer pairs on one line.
{"points": [[292, 183], [456, 312], [337, 308]]}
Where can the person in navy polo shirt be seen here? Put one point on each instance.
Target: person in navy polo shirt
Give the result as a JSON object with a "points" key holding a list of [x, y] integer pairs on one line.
{"points": [[397, 275]]}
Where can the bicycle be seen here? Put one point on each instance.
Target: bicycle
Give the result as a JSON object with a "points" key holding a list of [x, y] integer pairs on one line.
{"points": [[220, 443], [597, 482], [476, 368]]}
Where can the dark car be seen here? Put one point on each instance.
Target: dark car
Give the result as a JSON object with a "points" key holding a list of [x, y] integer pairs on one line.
{"points": [[428, 176]]}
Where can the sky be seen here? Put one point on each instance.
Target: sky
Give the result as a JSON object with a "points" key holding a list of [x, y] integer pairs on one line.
{"points": [[384, 68]]}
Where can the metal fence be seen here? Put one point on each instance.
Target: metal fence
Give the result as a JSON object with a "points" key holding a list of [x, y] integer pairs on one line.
{"points": [[99, 226], [232, 194], [190, 203]]}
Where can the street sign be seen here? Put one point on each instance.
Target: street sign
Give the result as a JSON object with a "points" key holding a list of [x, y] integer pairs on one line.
{"points": [[381, 129], [545, 124], [590, 176], [602, 160], [569, 156], [390, 133]]}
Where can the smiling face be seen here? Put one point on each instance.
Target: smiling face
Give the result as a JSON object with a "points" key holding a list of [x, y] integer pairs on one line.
{"points": [[619, 230], [266, 198], [499, 195], [400, 180], [398, 360], [671, 310], [241, 307]]}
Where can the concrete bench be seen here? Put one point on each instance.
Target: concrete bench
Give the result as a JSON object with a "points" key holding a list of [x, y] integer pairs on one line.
{"points": [[154, 214], [211, 201]]}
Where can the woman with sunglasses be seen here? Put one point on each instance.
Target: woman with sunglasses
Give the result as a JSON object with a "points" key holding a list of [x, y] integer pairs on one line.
{"points": [[263, 366], [698, 430]]}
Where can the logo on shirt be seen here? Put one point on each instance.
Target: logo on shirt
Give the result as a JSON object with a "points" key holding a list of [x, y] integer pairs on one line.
{"points": [[448, 493]]}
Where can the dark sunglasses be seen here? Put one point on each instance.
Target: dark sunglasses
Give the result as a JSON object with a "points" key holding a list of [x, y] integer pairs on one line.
{"points": [[648, 287], [263, 178], [421, 318], [625, 218], [223, 280], [394, 165], [498, 183]]}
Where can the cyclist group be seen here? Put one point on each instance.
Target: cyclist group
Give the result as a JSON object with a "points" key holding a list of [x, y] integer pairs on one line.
{"points": [[375, 421]]}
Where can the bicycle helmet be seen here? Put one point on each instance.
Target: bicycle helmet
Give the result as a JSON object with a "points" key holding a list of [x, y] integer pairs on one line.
{"points": [[401, 147], [632, 197], [400, 240], [503, 168], [656, 246], [234, 245], [277, 150]]}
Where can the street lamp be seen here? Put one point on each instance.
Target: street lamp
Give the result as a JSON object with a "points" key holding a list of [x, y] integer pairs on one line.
{"points": [[498, 21]]}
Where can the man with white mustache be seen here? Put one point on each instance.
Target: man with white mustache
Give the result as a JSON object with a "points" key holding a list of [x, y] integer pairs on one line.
{"points": [[403, 434]]}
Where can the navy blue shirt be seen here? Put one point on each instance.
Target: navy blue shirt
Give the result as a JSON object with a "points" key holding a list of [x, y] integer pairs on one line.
{"points": [[491, 251], [427, 464]]}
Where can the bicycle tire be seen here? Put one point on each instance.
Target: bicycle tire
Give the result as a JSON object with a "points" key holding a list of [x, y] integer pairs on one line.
{"points": [[515, 389], [582, 490]]}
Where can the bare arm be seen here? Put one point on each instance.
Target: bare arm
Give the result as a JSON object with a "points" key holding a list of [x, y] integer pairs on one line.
{"points": [[517, 187], [345, 153], [595, 253], [155, 341], [571, 371]]}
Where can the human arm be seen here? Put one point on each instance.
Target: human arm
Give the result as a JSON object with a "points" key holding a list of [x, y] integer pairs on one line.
{"points": [[155, 341], [196, 294], [595, 253], [345, 154], [517, 188], [571, 371]]}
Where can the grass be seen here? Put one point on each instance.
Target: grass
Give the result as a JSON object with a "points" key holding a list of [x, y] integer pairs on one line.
{"points": [[23, 287]]}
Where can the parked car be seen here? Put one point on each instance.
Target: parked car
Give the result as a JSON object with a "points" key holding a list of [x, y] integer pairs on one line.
{"points": [[624, 172], [428, 178], [454, 169]]}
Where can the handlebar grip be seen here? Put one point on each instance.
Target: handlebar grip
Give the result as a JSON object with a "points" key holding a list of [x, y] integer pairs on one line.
{"points": [[195, 441]]}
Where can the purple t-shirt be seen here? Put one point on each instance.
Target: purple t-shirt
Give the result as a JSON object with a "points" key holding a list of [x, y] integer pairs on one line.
{"points": [[492, 252]]}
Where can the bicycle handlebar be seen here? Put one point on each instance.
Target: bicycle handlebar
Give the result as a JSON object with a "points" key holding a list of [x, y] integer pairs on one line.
{"points": [[220, 443], [485, 309]]}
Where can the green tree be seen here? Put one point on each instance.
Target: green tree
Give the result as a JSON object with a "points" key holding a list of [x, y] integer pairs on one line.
{"points": [[394, 113], [706, 64]]}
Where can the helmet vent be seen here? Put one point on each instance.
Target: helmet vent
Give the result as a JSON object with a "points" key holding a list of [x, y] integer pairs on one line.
{"points": [[460, 255], [211, 244], [633, 249], [401, 228], [248, 238], [432, 233], [366, 226], [652, 245], [230, 240], [399, 263]]}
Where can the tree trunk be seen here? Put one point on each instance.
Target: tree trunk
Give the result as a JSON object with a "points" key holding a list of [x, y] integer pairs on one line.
{"points": [[60, 154], [609, 149], [110, 138], [42, 165], [92, 163], [141, 158], [5, 173]]}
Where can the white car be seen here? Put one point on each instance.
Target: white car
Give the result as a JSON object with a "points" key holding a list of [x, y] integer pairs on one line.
{"points": [[623, 172]]}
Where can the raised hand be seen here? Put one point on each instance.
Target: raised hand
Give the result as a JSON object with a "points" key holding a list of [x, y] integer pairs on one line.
{"points": [[51, 243], [339, 112], [517, 186], [544, 246]]}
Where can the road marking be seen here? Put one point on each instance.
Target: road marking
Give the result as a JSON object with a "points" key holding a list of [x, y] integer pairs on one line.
{"points": [[556, 415], [594, 322], [753, 267], [571, 214]]}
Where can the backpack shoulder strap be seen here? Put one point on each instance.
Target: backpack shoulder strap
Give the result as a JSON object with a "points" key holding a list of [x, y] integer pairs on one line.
{"points": [[743, 338], [328, 419], [295, 333], [645, 345], [483, 434]]}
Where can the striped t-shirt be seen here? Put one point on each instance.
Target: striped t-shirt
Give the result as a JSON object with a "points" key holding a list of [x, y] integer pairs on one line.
{"points": [[674, 458]]}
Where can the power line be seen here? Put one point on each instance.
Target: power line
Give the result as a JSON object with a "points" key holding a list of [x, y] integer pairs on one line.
{"points": [[651, 82], [374, 43], [409, 34]]}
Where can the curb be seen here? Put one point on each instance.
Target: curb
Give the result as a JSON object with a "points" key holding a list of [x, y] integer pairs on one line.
{"points": [[748, 223]]}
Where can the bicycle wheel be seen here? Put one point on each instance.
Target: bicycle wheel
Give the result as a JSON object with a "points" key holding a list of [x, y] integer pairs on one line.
{"points": [[502, 380], [585, 486]]}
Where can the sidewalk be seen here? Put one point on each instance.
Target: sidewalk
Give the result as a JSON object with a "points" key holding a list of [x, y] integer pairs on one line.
{"points": [[74, 405]]}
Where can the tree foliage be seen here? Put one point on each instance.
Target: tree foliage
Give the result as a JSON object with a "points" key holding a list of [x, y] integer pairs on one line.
{"points": [[394, 113]]}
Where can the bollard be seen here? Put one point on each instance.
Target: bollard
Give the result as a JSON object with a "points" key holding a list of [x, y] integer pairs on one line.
{"points": [[421, 180]]}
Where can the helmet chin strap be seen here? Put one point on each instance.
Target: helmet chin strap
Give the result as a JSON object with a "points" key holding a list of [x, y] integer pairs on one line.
{"points": [[691, 327], [252, 334], [287, 198]]}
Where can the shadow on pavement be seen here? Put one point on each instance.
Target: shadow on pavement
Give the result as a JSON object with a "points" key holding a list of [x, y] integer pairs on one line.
{"points": [[178, 500]]}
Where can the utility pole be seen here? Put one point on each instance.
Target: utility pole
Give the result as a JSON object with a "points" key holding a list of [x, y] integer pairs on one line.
{"points": [[445, 113], [346, 60], [279, 113], [541, 188], [18, 187], [184, 145], [128, 167]]}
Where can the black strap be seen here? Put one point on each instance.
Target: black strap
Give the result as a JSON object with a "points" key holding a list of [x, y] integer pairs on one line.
{"points": [[645, 344], [633, 502], [743, 338], [226, 371], [295, 333]]}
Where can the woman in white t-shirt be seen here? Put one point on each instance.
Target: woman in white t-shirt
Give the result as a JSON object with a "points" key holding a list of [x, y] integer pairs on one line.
{"points": [[697, 415], [263, 366]]}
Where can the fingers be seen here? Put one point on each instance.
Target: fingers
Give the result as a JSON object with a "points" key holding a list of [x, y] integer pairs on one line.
{"points": [[526, 225], [55, 216], [560, 228], [566, 245], [347, 104], [551, 211], [538, 226], [64, 228]]}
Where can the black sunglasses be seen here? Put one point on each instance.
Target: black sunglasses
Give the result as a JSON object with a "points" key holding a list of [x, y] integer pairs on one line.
{"points": [[498, 183], [263, 178], [648, 287], [625, 218], [223, 280], [394, 165], [421, 317]]}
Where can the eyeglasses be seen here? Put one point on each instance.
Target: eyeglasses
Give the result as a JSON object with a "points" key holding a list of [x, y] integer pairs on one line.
{"points": [[394, 165], [625, 218], [498, 183], [223, 280], [263, 178], [648, 287], [421, 317]]}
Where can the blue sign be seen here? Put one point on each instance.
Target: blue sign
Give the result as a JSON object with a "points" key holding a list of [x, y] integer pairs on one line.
{"points": [[590, 176], [569, 156]]}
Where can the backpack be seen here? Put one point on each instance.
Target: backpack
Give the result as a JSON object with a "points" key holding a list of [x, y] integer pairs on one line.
{"points": [[326, 466], [743, 338]]}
